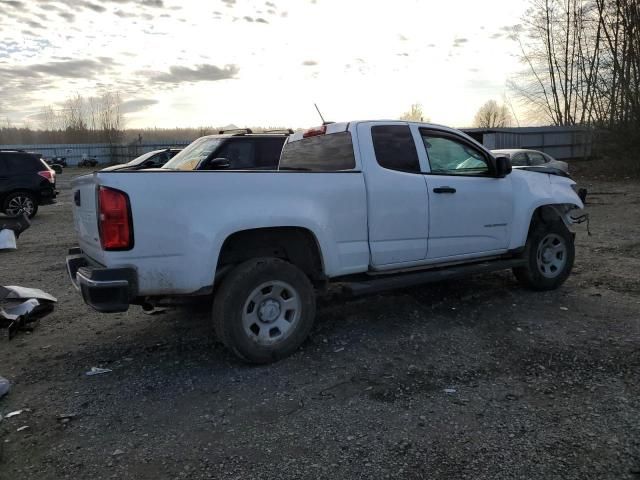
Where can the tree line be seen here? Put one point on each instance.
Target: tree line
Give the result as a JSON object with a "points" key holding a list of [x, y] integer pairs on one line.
{"points": [[582, 61]]}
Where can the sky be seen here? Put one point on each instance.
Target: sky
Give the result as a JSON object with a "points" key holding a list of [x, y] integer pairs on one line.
{"points": [[197, 63]]}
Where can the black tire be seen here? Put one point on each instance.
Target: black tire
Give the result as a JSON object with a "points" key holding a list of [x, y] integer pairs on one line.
{"points": [[244, 306], [542, 271], [25, 198]]}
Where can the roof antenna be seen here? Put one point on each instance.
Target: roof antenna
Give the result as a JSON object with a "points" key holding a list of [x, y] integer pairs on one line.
{"points": [[321, 117]]}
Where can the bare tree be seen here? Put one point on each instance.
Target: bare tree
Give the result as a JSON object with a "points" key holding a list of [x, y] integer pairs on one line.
{"points": [[414, 114], [492, 115]]}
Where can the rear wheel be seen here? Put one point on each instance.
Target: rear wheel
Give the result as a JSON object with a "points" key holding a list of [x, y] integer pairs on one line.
{"points": [[549, 254], [20, 203], [264, 310]]}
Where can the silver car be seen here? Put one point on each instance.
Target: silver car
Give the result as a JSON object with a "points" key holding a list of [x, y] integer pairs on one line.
{"points": [[530, 158]]}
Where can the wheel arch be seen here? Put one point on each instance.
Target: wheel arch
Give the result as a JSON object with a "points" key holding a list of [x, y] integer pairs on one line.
{"points": [[297, 245]]}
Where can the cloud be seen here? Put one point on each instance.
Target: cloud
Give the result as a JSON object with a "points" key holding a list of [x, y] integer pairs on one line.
{"points": [[136, 105], [459, 42], [261, 20], [14, 3], [69, 17], [201, 73], [495, 35], [248, 18], [229, 3], [309, 63], [64, 69], [270, 4]]}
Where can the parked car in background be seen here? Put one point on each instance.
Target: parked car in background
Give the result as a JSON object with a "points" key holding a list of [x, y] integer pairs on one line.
{"points": [[232, 150], [26, 181], [153, 159], [531, 158]]}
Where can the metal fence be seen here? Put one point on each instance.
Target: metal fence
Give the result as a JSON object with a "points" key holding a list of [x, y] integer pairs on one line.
{"points": [[102, 152], [559, 142]]}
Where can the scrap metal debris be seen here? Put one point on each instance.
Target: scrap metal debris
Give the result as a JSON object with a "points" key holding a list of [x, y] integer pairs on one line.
{"points": [[10, 230], [97, 371], [21, 308], [5, 386]]}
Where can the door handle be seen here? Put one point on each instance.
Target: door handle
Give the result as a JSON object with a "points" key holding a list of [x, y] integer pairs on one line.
{"points": [[444, 190]]}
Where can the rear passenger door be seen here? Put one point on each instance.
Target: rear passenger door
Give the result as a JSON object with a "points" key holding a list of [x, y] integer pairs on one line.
{"points": [[397, 200]]}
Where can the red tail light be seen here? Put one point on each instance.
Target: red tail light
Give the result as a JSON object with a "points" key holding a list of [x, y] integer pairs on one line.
{"points": [[114, 219], [312, 132], [49, 175]]}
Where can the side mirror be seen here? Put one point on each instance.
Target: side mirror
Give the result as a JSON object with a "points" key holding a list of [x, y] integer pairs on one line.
{"points": [[503, 167], [218, 163]]}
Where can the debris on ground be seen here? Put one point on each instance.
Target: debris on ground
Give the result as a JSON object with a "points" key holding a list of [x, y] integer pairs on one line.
{"points": [[5, 386], [20, 429], [7, 240], [21, 308], [449, 390], [97, 371], [10, 230], [13, 414]]}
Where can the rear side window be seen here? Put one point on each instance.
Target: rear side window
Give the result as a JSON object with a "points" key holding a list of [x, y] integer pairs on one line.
{"points": [[322, 153], [17, 164], [536, 158], [519, 160], [395, 148]]}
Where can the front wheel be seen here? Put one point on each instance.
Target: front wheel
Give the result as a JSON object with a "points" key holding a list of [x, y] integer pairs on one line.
{"points": [[264, 310], [549, 255]]}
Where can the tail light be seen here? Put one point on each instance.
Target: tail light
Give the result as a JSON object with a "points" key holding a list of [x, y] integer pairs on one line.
{"points": [[114, 219], [312, 132], [49, 175]]}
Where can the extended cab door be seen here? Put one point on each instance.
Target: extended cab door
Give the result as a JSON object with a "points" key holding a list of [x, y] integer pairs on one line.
{"points": [[470, 209], [397, 200]]}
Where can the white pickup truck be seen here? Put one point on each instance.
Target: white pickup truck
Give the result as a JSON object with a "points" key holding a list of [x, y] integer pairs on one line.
{"points": [[373, 205]]}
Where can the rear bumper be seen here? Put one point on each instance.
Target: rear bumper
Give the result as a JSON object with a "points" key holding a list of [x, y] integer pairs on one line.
{"points": [[106, 290], [48, 196]]}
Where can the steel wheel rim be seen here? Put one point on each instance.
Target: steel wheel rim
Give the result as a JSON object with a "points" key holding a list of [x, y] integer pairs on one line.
{"points": [[271, 312], [551, 256], [20, 204]]}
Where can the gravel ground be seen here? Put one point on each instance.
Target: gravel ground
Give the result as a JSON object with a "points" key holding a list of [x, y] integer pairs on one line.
{"points": [[471, 379]]}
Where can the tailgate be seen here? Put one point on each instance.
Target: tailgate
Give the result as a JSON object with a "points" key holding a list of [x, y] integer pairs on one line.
{"points": [[83, 194]]}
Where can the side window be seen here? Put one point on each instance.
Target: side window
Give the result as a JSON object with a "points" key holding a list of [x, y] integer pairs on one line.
{"points": [[395, 148], [269, 150], [536, 158], [449, 156], [240, 153], [17, 163], [519, 160]]}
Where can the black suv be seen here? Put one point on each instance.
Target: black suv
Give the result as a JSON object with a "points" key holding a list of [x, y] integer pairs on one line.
{"points": [[26, 182], [240, 150]]}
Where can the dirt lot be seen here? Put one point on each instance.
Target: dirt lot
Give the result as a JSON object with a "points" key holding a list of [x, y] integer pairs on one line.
{"points": [[474, 379]]}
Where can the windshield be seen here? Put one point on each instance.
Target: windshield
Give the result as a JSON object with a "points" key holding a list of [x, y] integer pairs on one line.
{"points": [[190, 157], [142, 158]]}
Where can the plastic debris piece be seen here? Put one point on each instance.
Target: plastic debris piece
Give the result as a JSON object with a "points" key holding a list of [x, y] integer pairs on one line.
{"points": [[5, 386], [98, 371], [13, 414], [450, 390], [564, 308], [7, 240], [118, 452], [24, 427]]}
